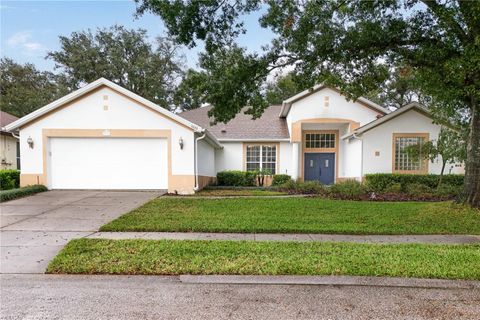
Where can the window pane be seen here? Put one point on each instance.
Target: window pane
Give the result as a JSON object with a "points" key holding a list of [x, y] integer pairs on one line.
{"points": [[320, 140], [253, 158], [269, 158], [402, 160]]}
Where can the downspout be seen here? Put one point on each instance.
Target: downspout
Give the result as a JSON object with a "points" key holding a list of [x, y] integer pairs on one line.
{"points": [[196, 188]]}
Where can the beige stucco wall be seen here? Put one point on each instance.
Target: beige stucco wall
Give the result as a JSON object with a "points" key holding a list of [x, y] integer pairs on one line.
{"points": [[8, 157]]}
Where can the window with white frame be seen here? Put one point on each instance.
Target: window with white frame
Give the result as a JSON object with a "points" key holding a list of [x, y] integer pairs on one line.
{"points": [[403, 161], [319, 140], [261, 157]]}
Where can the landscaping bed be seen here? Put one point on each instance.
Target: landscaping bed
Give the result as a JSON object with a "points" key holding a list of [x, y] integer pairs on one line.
{"points": [[6, 195], [173, 257], [298, 215]]}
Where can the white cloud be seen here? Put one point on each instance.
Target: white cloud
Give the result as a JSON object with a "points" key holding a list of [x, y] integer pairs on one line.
{"points": [[23, 40]]}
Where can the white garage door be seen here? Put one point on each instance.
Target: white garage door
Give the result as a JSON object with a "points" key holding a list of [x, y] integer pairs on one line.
{"points": [[108, 163]]}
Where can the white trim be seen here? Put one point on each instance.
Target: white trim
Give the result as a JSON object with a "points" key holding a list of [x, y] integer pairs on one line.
{"points": [[390, 116], [254, 140], [287, 104], [89, 87]]}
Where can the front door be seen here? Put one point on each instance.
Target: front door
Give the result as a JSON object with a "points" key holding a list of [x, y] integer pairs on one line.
{"points": [[320, 167]]}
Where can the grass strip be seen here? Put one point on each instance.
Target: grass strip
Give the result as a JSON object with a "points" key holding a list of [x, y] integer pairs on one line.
{"points": [[298, 215], [174, 257]]}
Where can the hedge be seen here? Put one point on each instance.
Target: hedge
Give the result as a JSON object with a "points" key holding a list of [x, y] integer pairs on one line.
{"points": [[9, 179], [236, 178], [279, 179], [381, 181], [6, 195]]}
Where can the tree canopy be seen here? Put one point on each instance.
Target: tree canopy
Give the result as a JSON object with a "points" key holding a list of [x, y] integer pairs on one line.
{"points": [[24, 89], [123, 56], [348, 44]]}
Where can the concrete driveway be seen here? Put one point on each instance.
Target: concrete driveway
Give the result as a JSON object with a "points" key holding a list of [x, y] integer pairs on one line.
{"points": [[35, 228]]}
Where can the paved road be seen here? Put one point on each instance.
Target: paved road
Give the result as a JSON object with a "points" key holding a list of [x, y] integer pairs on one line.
{"points": [[143, 297], [35, 228]]}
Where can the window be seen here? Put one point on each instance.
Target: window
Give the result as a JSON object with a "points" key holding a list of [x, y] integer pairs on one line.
{"points": [[261, 157], [319, 140], [402, 161]]}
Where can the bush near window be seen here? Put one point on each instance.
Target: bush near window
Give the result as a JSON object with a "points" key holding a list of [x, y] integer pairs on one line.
{"points": [[236, 178], [9, 179], [279, 179], [381, 181], [348, 189], [6, 195]]}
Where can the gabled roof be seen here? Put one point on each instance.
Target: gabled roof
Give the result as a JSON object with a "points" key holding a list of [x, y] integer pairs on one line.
{"points": [[6, 119], [269, 127], [287, 104], [88, 88], [414, 105], [97, 84]]}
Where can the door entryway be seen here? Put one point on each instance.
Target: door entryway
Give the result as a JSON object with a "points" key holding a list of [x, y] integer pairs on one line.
{"points": [[320, 167]]}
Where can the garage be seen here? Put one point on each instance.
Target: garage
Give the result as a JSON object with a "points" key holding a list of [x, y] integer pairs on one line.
{"points": [[108, 163]]}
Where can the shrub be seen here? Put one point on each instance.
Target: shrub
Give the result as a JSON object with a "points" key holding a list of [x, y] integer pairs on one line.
{"points": [[393, 188], [236, 178], [447, 190], [279, 179], [298, 187], [348, 189], [9, 179], [380, 181], [417, 189], [6, 195]]}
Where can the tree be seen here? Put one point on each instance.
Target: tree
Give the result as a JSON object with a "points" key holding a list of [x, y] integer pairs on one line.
{"points": [[24, 89], [348, 44], [449, 146], [190, 93], [123, 56], [282, 88]]}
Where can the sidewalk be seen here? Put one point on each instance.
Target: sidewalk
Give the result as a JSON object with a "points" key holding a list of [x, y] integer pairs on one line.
{"points": [[438, 239]]}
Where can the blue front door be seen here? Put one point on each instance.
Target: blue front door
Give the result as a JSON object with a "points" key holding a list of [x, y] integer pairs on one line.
{"points": [[320, 167]]}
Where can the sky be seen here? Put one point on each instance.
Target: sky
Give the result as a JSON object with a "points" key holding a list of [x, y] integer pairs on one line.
{"points": [[30, 29]]}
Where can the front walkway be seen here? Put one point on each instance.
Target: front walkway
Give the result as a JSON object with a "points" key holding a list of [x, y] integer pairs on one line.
{"points": [[439, 239], [35, 228]]}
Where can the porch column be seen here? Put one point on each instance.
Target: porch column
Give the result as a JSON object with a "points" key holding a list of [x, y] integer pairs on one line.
{"points": [[295, 156]]}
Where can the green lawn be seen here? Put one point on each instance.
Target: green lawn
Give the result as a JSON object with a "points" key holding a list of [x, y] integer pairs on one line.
{"points": [[298, 215], [172, 257], [238, 192]]}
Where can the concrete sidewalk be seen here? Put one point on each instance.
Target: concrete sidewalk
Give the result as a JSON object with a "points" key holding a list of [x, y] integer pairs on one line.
{"points": [[439, 239]]}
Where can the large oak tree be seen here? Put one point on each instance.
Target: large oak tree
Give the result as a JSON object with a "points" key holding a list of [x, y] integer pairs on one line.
{"points": [[126, 57], [348, 44]]}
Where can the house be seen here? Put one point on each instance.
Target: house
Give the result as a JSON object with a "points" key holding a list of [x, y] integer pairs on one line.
{"points": [[10, 154], [103, 136]]}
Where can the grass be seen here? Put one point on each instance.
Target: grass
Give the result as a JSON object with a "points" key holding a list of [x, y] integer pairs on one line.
{"points": [[173, 257], [298, 215], [7, 195], [238, 192]]}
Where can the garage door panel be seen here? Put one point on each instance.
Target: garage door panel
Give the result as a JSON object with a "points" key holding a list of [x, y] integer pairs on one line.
{"points": [[108, 163]]}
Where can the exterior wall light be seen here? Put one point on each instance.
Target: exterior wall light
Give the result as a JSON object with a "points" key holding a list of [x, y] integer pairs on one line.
{"points": [[30, 142], [180, 143]]}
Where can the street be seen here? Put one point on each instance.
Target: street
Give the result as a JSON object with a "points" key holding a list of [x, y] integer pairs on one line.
{"points": [[155, 297]]}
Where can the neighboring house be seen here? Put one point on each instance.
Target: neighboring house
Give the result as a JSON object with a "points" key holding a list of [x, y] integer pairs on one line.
{"points": [[103, 136], [10, 155]]}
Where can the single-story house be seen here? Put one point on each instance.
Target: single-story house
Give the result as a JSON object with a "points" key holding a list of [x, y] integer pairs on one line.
{"points": [[103, 136], [10, 154]]}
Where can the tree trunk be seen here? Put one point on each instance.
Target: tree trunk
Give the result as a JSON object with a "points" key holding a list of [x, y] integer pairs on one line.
{"points": [[472, 170], [444, 163]]}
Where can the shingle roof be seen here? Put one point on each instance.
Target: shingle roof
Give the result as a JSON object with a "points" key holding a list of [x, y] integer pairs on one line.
{"points": [[6, 118], [268, 127]]}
